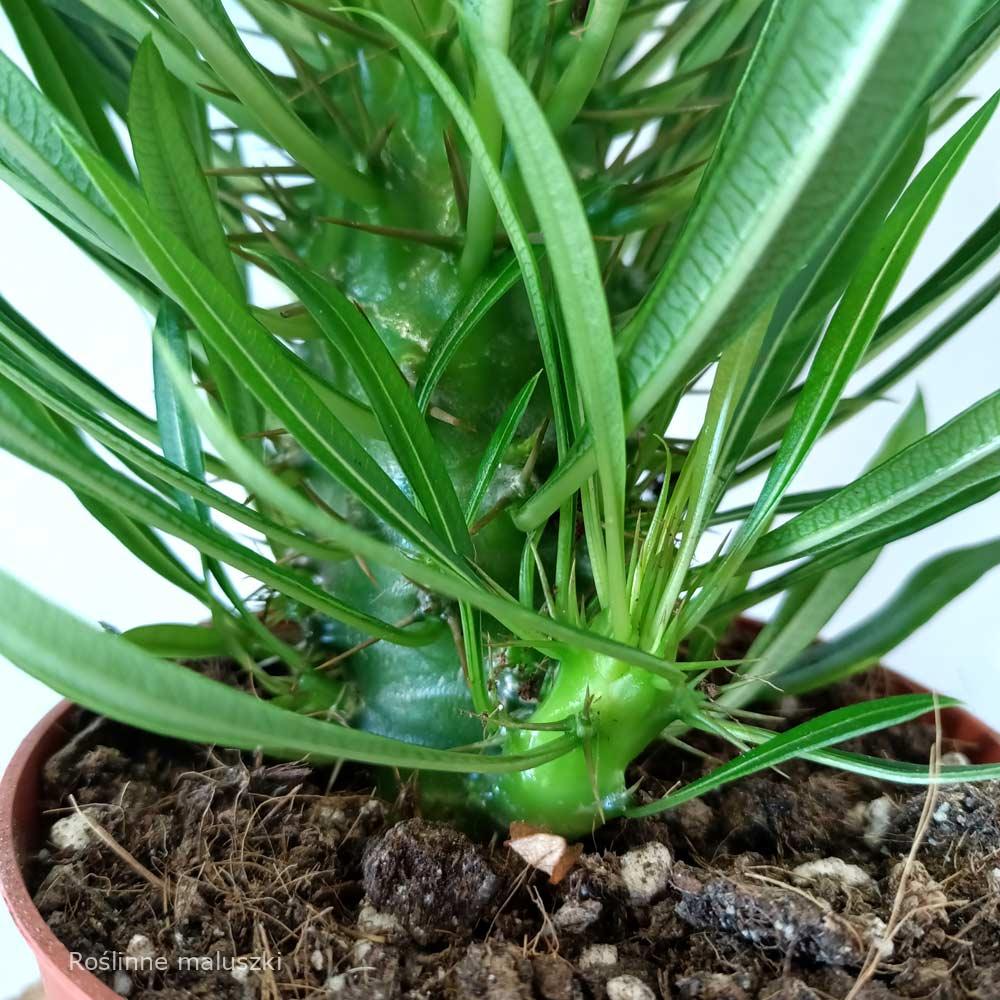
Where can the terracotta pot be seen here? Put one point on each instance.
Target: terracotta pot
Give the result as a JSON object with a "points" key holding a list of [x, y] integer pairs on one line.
{"points": [[20, 823]]}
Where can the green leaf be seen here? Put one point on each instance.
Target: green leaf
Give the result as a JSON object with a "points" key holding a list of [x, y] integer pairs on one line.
{"points": [[797, 149], [578, 78], [135, 19], [33, 135], [38, 349], [520, 244], [179, 437], [816, 734], [110, 675], [172, 177], [847, 337], [931, 477], [577, 274], [178, 642], [88, 474], [808, 607], [497, 447], [136, 536], [264, 366], [176, 187], [66, 74], [466, 317], [149, 464], [923, 595], [900, 772], [206, 25], [877, 389], [960, 266], [804, 308], [513, 615], [352, 337]]}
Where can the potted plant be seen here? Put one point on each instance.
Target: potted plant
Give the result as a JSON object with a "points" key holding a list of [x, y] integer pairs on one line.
{"points": [[427, 285]]}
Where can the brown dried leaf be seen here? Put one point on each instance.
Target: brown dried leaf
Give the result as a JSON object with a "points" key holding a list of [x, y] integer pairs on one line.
{"points": [[548, 852]]}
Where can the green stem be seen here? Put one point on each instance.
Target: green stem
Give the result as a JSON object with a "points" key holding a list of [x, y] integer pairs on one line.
{"points": [[494, 19], [581, 74], [619, 712]]}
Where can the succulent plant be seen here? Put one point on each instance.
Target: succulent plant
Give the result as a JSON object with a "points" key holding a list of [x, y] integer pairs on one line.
{"points": [[427, 285]]}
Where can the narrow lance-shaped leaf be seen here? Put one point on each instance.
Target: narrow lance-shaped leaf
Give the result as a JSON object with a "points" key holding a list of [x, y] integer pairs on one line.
{"points": [[176, 187], [265, 366], [806, 609], [467, 315], [933, 586], [148, 463], [179, 438], [816, 734], [404, 426], [847, 336], [206, 25], [77, 382], [66, 72], [134, 19], [818, 113], [898, 771], [577, 273], [115, 678], [136, 536], [929, 476], [177, 641], [28, 442], [496, 448], [34, 137], [804, 308]]}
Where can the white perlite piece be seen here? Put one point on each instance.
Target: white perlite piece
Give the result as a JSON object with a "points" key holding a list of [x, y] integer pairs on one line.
{"points": [[140, 947], [628, 988], [577, 916], [317, 961], [646, 871], [878, 819], [373, 921], [598, 954], [849, 876], [122, 984], [993, 881], [240, 972], [72, 833]]}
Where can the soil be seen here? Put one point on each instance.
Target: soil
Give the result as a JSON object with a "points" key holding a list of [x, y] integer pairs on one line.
{"points": [[197, 872]]}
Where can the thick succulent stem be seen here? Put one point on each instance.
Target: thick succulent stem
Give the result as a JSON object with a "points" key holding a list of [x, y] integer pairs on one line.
{"points": [[618, 711]]}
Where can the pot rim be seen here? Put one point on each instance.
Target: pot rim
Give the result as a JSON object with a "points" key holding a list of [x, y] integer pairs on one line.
{"points": [[20, 780], [19, 783]]}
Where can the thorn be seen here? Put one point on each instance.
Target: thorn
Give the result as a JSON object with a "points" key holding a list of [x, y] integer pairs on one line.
{"points": [[459, 181]]}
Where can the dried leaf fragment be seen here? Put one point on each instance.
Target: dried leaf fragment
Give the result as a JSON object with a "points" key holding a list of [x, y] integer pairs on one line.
{"points": [[548, 852]]}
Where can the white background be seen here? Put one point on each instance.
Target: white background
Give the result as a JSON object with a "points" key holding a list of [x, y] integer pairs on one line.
{"points": [[50, 542]]}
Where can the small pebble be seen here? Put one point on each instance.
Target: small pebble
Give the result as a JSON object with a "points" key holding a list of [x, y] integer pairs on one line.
{"points": [[72, 833], [577, 916], [598, 954], [140, 947], [849, 876], [628, 988], [240, 972], [646, 872], [879, 814], [372, 921], [993, 881]]}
